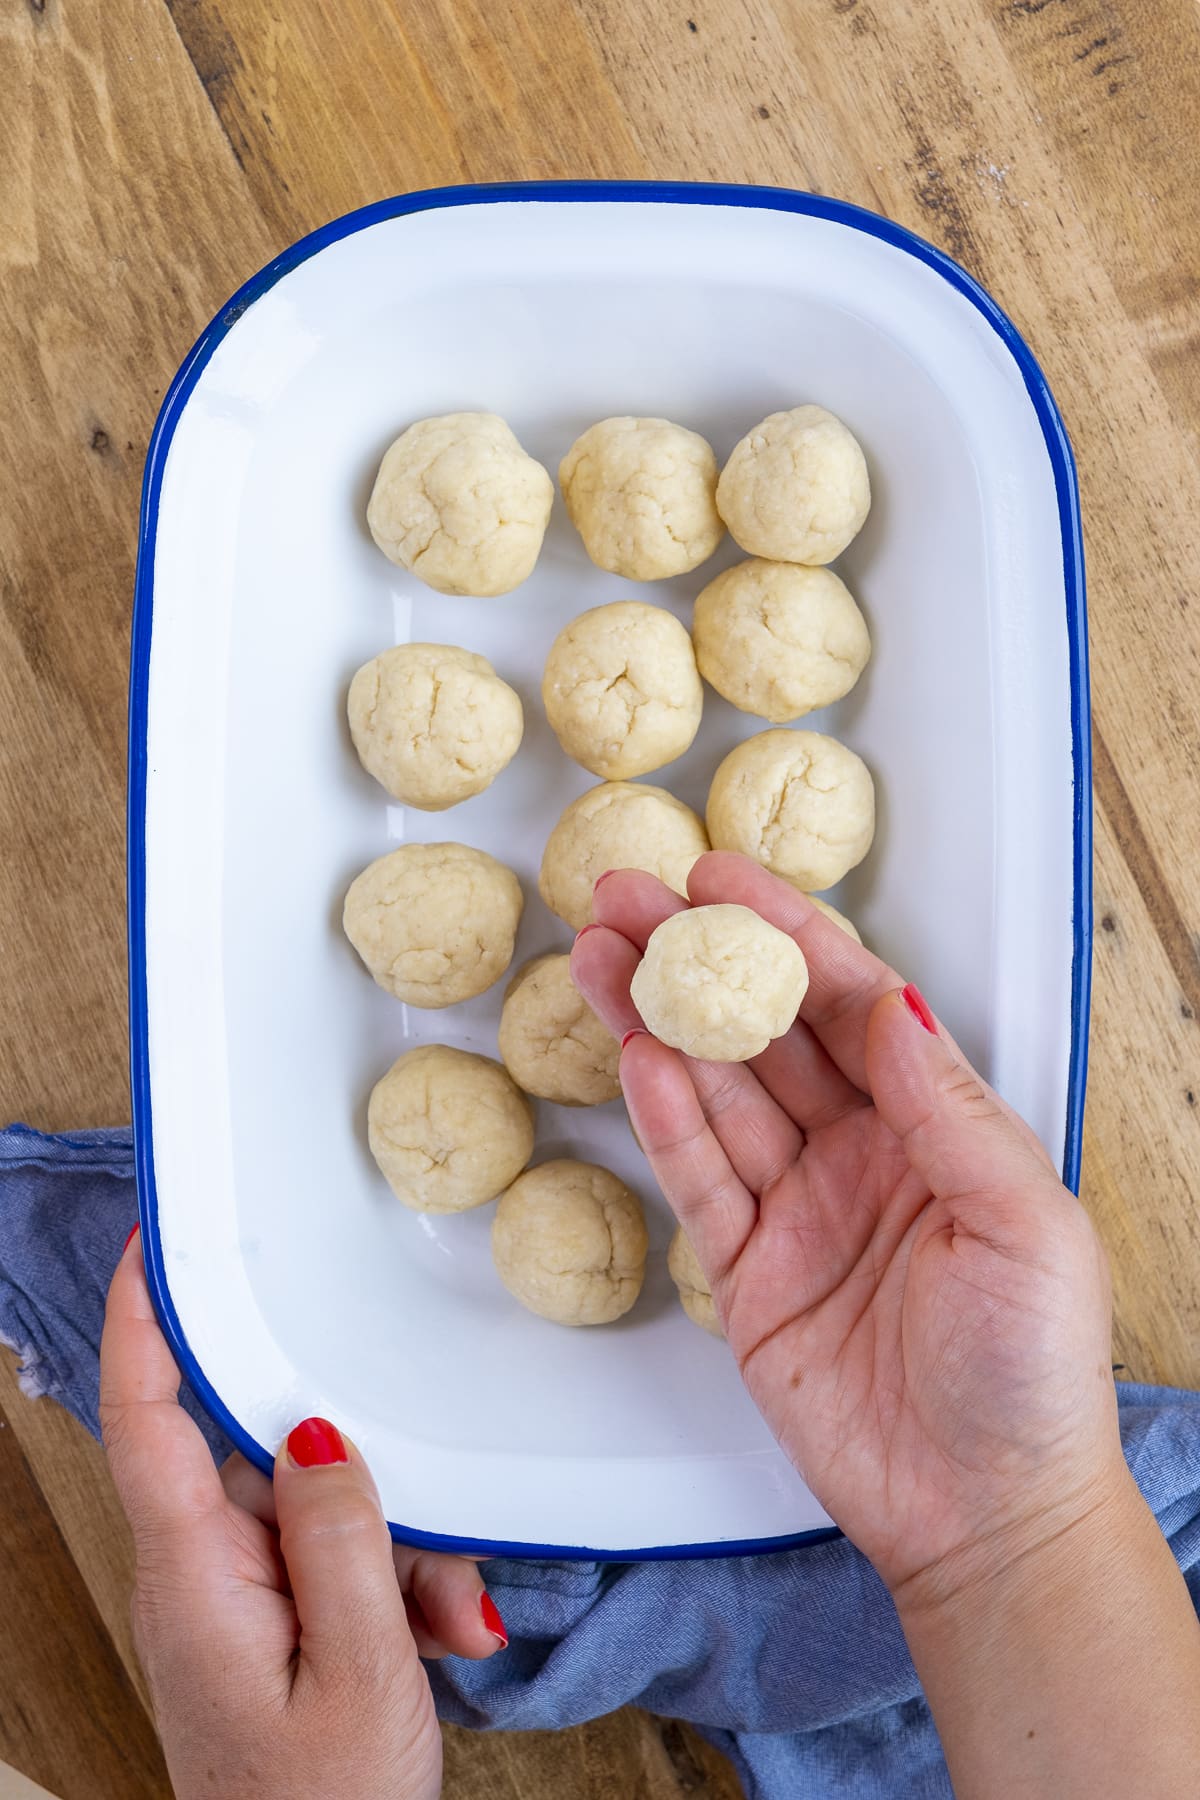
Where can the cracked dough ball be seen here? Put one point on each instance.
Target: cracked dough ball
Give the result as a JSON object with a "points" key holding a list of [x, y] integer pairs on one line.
{"points": [[779, 640], [460, 504], [569, 1242], [449, 1129], [798, 802], [640, 493], [618, 825], [695, 1295], [796, 487], [434, 923], [621, 689], [719, 983], [837, 918], [433, 724], [551, 1042]]}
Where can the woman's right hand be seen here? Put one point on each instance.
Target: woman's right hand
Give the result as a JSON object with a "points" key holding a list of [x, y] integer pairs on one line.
{"points": [[918, 1306], [921, 1312]]}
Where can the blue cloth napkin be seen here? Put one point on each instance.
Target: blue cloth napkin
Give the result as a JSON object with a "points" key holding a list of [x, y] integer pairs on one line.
{"points": [[793, 1664]]}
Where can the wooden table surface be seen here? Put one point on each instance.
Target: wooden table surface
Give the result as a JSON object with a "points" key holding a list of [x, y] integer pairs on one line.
{"points": [[153, 153]]}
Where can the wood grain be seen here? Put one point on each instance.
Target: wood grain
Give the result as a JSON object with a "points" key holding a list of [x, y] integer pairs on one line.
{"points": [[69, 1716], [155, 152]]}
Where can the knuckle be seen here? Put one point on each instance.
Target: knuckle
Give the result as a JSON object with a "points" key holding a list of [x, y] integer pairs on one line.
{"points": [[328, 1517], [961, 1088]]}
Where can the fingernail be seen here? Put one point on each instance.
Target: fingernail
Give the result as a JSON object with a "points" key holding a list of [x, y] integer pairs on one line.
{"points": [[315, 1443], [492, 1619], [601, 878], [137, 1227], [918, 1006], [638, 1031], [584, 929]]}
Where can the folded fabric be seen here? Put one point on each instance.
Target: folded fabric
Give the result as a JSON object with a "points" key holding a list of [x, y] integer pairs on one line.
{"points": [[794, 1664]]}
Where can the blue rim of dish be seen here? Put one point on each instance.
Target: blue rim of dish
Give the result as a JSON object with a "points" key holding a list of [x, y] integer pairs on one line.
{"points": [[1062, 462]]}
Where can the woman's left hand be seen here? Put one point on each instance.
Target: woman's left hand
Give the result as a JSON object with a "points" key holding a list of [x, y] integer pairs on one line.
{"points": [[279, 1628]]}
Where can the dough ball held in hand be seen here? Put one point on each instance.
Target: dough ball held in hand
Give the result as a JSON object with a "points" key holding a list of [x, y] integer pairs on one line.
{"points": [[695, 1295], [779, 640], [719, 983], [798, 802], [434, 923], [795, 488], [433, 724], [460, 504], [449, 1130], [641, 494], [569, 1242], [618, 825], [621, 689], [551, 1042]]}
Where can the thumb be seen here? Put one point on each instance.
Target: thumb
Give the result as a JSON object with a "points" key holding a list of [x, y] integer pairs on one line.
{"points": [[959, 1136], [334, 1539]]}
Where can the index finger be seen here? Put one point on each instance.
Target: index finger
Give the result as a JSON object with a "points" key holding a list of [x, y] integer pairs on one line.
{"points": [[164, 1474]]}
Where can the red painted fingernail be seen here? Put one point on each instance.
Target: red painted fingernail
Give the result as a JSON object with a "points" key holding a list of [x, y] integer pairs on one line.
{"points": [[492, 1619], [315, 1443], [918, 1006], [601, 878], [584, 929], [638, 1031], [130, 1238]]}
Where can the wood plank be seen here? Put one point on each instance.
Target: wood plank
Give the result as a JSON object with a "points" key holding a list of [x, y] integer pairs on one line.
{"points": [[100, 1745], [118, 200], [72, 1474], [404, 96], [628, 1756]]}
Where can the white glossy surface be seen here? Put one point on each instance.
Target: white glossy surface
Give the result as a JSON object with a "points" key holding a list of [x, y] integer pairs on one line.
{"points": [[299, 1283]]}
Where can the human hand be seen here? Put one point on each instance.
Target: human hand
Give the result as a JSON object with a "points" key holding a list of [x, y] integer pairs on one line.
{"points": [[918, 1306], [278, 1627]]}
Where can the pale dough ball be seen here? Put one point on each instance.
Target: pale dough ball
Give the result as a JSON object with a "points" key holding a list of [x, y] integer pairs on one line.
{"points": [[779, 640], [450, 1130], [695, 1295], [551, 1042], [796, 487], [618, 825], [719, 983], [640, 493], [460, 504], [621, 689], [798, 802], [433, 724], [569, 1242], [434, 923]]}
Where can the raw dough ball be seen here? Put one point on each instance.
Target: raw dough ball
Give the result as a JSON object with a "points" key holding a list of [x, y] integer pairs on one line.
{"points": [[621, 689], [695, 1295], [839, 919], [779, 640], [640, 493], [719, 983], [434, 923], [796, 487], [449, 1130], [459, 503], [796, 801], [618, 825], [433, 724], [569, 1242], [551, 1041]]}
